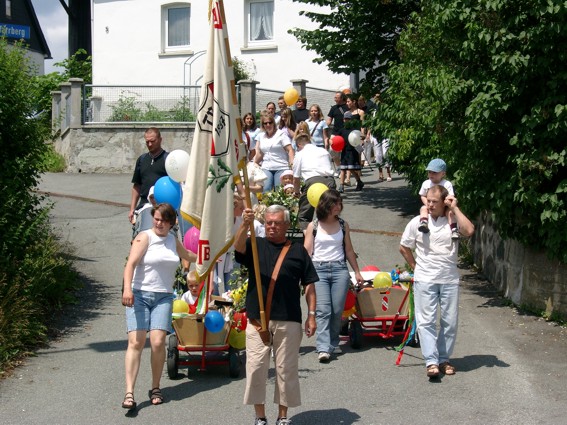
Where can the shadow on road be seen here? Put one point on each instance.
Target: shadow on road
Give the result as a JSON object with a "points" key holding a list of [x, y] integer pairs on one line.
{"points": [[331, 416], [477, 361]]}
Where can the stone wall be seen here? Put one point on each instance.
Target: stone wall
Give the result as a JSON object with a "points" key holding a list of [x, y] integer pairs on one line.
{"points": [[527, 277], [112, 149]]}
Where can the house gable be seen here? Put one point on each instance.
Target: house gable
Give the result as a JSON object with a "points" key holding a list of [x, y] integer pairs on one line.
{"points": [[22, 23]]}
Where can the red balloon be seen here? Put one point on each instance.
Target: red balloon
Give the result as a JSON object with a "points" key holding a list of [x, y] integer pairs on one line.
{"points": [[240, 320], [337, 143], [350, 300], [370, 269]]}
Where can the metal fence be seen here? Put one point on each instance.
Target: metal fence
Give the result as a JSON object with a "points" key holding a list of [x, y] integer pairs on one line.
{"points": [[172, 104]]}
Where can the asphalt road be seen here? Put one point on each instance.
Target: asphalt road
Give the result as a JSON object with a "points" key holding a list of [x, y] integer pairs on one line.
{"points": [[511, 367]]}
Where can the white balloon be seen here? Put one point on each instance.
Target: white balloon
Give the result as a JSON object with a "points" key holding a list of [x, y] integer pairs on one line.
{"points": [[355, 138], [177, 164]]}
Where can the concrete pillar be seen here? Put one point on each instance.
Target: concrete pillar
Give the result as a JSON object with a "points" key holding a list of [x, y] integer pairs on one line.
{"points": [[300, 86], [76, 102], [95, 105], [55, 111], [247, 96], [65, 116]]}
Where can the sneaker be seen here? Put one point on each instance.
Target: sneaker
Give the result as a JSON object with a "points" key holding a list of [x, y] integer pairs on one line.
{"points": [[324, 357], [423, 227], [359, 186], [455, 234], [261, 421], [337, 174], [389, 179], [341, 188], [283, 421], [337, 350]]}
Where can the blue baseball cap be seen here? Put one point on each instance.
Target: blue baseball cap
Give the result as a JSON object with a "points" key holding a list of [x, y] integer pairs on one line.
{"points": [[436, 165]]}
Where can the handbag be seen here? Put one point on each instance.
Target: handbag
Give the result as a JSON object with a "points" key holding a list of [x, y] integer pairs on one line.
{"points": [[265, 334]]}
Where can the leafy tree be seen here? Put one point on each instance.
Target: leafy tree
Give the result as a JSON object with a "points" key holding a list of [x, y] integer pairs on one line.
{"points": [[483, 84], [34, 276], [357, 36]]}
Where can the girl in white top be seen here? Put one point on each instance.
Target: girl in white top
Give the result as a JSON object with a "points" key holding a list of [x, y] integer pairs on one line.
{"points": [[318, 128], [328, 242], [273, 151], [147, 293]]}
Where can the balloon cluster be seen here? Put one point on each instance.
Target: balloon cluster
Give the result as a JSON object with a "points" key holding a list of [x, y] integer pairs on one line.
{"points": [[168, 188]]}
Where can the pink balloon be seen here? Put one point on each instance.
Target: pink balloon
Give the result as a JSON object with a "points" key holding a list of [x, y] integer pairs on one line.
{"points": [[191, 239]]}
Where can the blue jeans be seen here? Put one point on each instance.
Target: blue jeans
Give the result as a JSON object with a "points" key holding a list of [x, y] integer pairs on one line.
{"points": [[331, 290], [151, 310], [273, 179], [429, 298]]}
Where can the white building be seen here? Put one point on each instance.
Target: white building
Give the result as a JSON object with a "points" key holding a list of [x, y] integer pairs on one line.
{"points": [[161, 42]]}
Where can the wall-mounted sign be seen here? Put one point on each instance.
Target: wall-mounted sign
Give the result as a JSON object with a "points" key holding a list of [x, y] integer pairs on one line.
{"points": [[15, 31]]}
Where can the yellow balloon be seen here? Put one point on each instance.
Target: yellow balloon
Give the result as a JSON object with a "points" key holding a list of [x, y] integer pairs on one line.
{"points": [[382, 280], [314, 193], [290, 96], [180, 306], [237, 339]]}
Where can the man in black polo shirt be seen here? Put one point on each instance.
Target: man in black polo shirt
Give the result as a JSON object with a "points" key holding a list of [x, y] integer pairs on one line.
{"points": [[336, 123], [149, 168]]}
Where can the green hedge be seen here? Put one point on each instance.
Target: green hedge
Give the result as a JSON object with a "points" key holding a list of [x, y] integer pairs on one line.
{"points": [[483, 84]]}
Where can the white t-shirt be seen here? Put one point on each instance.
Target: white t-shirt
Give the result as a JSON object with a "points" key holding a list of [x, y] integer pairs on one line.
{"points": [[273, 148], [312, 161], [189, 298], [435, 252], [328, 247], [156, 270], [428, 183], [317, 136]]}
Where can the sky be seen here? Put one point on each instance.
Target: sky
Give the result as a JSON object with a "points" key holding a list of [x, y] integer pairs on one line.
{"points": [[53, 20]]}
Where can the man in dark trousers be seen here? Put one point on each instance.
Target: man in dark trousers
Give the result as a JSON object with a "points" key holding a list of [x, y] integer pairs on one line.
{"points": [[284, 321], [150, 167], [313, 165]]}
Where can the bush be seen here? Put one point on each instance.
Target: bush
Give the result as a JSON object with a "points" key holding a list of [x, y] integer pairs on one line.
{"points": [[36, 277], [485, 88]]}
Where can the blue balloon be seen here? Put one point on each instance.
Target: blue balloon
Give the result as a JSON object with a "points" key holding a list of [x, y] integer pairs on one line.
{"points": [[214, 322], [167, 190]]}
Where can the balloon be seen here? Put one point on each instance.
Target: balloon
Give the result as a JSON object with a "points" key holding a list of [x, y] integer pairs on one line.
{"points": [[290, 96], [237, 339], [239, 321], [314, 193], [347, 91], [180, 306], [176, 165], [191, 239], [355, 138], [382, 280], [337, 143], [370, 269], [350, 300], [214, 322], [168, 191]]}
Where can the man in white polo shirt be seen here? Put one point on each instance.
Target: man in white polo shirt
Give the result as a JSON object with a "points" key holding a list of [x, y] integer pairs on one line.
{"points": [[314, 165], [436, 278]]}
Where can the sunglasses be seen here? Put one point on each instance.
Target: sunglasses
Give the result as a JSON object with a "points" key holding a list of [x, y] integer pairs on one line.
{"points": [[267, 122]]}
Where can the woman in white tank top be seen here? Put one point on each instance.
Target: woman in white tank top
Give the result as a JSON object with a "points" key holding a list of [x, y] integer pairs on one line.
{"points": [[327, 240], [147, 294]]}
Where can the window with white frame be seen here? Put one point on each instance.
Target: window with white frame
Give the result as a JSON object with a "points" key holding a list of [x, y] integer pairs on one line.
{"points": [[260, 21], [176, 18]]}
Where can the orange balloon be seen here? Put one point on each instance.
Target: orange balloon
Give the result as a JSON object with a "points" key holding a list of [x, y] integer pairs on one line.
{"points": [[290, 96], [347, 91]]}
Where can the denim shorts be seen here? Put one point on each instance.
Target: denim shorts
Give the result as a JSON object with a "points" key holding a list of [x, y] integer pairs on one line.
{"points": [[151, 311]]}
